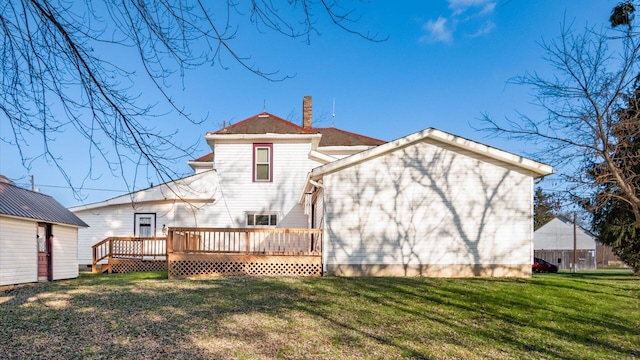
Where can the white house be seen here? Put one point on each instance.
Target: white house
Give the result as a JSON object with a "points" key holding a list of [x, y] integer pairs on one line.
{"points": [[428, 204], [554, 243], [38, 237]]}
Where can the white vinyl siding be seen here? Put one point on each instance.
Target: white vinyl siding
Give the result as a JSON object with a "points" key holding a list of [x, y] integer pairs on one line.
{"points": [[64, 252], [18, 251], [117, 218], [291, 165], [223, 196], [428, 203]]}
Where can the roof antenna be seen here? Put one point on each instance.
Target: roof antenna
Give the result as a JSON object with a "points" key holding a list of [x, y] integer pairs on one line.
{"points": [[333, 114], [264, 105]]}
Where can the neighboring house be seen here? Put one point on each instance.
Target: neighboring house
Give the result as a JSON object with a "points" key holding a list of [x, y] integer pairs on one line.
{"points": [[38, 237], [554, 242], [428, 204]]}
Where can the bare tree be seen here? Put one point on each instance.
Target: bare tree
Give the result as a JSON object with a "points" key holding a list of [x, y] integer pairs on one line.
{"points": [[593, 75], [57, 75], [591, 124]]}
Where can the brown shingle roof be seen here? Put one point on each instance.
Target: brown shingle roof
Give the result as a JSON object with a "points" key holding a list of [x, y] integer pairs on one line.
{"points": [[337, 137], [262, 124], [205, 158], [268, 123], [24, 203]]}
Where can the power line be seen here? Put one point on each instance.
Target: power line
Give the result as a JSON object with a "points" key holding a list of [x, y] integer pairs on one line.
{"points": [[67, 187]]}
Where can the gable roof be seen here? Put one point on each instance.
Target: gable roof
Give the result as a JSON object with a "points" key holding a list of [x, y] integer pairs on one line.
{"points": [[15, 201], [558, 234], [538, 169], [263, 123], [266, 123], [569, 222]]}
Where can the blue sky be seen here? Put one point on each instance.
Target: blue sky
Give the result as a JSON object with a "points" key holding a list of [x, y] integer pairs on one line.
{"points": [[444, 65]]}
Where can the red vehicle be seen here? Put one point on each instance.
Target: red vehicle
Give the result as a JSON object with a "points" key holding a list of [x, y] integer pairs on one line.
{"points": [[543, 266]]}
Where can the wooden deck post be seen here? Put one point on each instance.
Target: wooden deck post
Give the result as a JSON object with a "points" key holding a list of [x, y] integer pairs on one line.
{"points": [[169, 242], [110, 253], [169, 251], [94, 262]]}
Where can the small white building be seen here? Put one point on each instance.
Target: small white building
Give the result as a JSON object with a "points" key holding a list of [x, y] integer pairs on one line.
{"points": [[38, 237], [554, 243]]}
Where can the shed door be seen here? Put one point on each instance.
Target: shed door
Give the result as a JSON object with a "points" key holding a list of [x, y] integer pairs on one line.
{"points": [[44, 251]]}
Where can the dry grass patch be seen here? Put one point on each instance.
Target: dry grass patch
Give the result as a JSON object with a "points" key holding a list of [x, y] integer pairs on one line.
{"points": [[144, 315]]}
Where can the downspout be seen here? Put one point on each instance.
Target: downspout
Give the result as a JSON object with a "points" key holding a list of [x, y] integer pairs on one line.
{"points": [[531, 229], [324, 222]]}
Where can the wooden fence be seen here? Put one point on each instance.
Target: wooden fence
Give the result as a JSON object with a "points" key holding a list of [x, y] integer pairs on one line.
{"points": [[233, 251]]}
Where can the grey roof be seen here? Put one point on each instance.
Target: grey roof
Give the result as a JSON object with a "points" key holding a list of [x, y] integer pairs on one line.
{"points": [[24, 203]]}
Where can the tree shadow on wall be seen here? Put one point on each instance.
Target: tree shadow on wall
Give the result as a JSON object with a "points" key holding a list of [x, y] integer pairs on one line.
{"points": [[426, 206]]}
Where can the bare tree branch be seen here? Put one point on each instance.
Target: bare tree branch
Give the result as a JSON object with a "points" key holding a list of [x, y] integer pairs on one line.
{"points": [[60, 72], [582, 101]]}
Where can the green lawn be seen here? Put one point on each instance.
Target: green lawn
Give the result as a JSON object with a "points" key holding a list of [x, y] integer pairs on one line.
{"points": [[590, 315]]}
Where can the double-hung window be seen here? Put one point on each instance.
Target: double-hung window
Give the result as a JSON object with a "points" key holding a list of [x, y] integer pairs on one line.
{"points": [[262, 162]]}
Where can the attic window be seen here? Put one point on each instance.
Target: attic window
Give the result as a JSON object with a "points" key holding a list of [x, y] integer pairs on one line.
{"points": [[262, 162]]}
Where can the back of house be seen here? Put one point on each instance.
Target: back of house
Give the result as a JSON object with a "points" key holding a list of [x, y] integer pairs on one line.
{"points": [[428, 204]]}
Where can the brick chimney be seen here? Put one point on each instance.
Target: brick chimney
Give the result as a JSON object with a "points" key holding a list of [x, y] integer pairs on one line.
{"points": [[306, 112]]}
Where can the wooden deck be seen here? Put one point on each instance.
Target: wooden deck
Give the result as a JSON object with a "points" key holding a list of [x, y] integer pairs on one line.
{"points": [[248, 251], [187, 252]]}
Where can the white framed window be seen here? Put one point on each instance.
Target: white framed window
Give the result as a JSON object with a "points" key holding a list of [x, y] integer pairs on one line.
{"points": [[144, 225], [262, 162], [262, 219]]}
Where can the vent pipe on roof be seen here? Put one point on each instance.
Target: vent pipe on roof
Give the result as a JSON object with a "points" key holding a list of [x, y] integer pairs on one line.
{"points": [[306, 112], [33, 185]]}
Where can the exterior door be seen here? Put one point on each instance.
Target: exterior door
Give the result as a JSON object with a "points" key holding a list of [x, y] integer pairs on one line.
{"points": [[144, 225], [44, 238]]}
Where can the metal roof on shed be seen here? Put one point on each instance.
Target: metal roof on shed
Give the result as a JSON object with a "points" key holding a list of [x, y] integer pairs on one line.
{"points": [[16, 201]]}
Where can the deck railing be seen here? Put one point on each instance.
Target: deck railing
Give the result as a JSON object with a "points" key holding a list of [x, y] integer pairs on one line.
{"points": [[130, 248], [200, 251], [251, 241]]}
